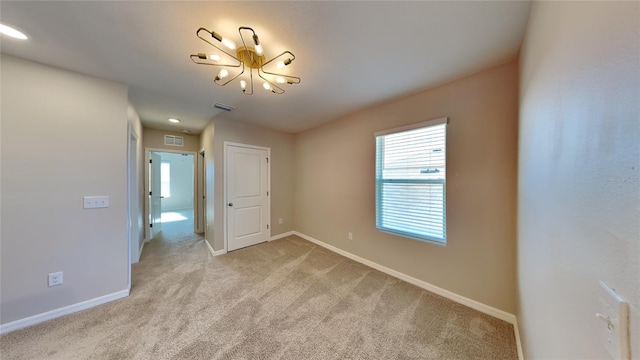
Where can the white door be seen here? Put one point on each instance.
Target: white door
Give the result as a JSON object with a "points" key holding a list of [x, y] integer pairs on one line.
{"points": [[247, 187], [155, 195]]}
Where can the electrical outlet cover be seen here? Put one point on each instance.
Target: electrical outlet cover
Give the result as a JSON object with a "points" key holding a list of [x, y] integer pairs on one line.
{"points": [[55, 278]]}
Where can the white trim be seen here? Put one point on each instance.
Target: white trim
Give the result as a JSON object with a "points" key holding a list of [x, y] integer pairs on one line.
{"points": [[49, 315], [439, 121], [489, 310], [516, 331], [140, 251], [132, 193], [213, 252], [199, 193], [283, 235]]}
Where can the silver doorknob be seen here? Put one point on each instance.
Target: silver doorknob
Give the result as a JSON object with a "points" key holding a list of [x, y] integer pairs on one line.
{"points": [[230, 204]]}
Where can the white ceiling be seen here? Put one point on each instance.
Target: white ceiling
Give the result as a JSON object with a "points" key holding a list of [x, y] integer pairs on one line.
{"points": [[350, 55]]}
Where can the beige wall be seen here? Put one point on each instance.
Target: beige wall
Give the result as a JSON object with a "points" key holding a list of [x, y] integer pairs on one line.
{"points": [[63, 137], [579, 174], [154, 139], [334, 187], [282, 173], [137, 219]]}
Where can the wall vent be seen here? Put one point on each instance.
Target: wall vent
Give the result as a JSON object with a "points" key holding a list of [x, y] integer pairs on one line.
{"points": [[173, 140]]}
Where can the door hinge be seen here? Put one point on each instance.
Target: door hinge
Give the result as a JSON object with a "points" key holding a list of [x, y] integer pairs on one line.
{"points": [[150, 161], [150, 193], [267, 226], [150, 225], [267, 193], [267, 160]]}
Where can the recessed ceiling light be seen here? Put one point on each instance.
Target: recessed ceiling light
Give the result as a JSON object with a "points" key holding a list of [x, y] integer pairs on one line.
{"points": [[174, 120], [8, 30]]}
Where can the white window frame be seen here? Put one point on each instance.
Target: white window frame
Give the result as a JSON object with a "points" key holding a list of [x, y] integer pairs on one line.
{"points": [[429, 239]]}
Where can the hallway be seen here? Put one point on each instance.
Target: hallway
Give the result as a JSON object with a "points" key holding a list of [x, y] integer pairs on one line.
{"points": [[176, 237]]}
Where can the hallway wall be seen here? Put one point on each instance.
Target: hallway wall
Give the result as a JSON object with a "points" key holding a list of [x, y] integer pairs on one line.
{"points": [[579, 174], [154, 139], [63, 136]]}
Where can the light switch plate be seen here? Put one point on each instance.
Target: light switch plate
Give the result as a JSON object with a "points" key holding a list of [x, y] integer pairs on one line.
{"points": [[613, 322], [96, 202]]}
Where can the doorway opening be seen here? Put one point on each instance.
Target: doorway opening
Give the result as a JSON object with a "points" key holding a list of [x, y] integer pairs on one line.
{"points": [[172, 188]]}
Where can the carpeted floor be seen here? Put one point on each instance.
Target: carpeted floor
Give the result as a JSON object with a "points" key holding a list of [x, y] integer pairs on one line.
{"points": [[286, 299]]}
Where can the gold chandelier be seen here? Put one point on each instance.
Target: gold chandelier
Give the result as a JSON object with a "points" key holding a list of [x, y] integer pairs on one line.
{"points": [[246, 57]]}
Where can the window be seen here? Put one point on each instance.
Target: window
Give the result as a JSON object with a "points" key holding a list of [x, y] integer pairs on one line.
{"points": [[165, 179], [410, 181]]}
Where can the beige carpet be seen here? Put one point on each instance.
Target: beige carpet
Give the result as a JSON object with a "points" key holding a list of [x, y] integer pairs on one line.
{"points": [[286, 299]]}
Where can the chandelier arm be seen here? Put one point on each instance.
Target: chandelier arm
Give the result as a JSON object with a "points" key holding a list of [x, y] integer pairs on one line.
{"points": [[295, 79], [195, 59], [273, 86], [250, 83], [243, 42], [286, 52], [230, 80], [212, 44]]}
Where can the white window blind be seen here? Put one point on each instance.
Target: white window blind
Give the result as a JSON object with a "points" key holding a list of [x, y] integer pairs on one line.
{"points": [[410, 181]]}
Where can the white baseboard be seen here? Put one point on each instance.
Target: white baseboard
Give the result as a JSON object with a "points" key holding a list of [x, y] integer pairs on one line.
{"points": [[213, 252], [516, 330], [283, 235], [49, 315], [489, 310]]}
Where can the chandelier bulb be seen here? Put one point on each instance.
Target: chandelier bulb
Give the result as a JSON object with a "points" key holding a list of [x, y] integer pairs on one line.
{"points": [[280, 64], [223, 73], [229, 43], [280, 80], [214, 57], [243, 84], [259, 49], [266, 86]]}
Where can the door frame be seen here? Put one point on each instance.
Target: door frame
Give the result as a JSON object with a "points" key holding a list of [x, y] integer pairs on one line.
{"points": [[200, 211], [225, 146], [147, 157], [133, 199]]}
